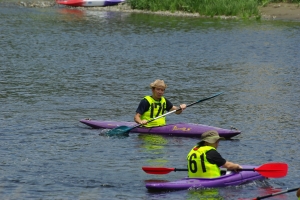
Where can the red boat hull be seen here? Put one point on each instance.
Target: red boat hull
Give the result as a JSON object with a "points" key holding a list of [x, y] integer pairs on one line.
{"points": [[88, 3]]}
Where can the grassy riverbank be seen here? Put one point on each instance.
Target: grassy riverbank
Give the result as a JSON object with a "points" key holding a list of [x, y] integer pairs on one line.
{"points": [[225, 9], [244, 8], [240, 8]]}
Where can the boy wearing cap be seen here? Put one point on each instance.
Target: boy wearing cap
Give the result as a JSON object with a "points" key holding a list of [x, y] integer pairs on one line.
{"points": [[154, 106], [204, 161]]}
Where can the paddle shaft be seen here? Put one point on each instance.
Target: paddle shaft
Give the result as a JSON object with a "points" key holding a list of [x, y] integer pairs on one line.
{"points": [[178, 109], [277, 193], [222, 169], [175, 170]]}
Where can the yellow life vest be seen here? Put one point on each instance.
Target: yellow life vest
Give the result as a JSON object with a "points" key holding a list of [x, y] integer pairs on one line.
{"points": [[198, 165], [156, 109]]}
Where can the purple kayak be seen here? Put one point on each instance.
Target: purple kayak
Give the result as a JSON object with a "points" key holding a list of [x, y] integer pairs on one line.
{"points": [[178, 129], [230, 179]]}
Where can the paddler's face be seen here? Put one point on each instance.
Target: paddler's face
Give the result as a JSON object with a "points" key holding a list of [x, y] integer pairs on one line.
{"points": [[158, 92]]}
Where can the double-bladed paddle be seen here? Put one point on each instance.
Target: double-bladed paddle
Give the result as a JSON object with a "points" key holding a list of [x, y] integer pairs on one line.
{"points": [[270, 170], [125, 129], [276, 193]]}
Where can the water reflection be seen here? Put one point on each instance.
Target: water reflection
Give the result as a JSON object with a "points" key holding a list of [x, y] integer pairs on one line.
{"points": [[268, 191], [91, 15], [71, 12], [153, 144], [208, 194]]}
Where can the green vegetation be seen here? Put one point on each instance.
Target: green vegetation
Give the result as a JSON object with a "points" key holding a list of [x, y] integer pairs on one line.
{"points": [[240, 8]]}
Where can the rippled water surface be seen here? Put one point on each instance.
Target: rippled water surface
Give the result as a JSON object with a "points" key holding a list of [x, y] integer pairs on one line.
{"points": [[59, 65]]}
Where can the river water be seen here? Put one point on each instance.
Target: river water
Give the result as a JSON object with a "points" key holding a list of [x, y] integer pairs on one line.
{"points": [[60, 65]]}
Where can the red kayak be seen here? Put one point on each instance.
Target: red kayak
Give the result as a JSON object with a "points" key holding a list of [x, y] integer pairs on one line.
{"points": [[89, 3]]}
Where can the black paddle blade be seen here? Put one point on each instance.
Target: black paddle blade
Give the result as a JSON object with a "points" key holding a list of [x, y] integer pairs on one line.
{"points": [[121, 130]]}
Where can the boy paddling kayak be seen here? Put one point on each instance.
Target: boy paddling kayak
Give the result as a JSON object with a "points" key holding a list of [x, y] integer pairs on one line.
{"points": [[155, 105]]}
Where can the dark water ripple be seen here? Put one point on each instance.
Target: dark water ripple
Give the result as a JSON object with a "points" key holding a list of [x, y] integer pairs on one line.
{"points": [[59, 65]]}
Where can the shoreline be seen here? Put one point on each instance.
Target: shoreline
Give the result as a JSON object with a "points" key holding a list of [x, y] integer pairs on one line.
{"points": [[272, 11], [281, 11]]}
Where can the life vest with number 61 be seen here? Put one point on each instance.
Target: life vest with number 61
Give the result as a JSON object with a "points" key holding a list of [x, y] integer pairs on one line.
{"points": [[198, 165]]}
